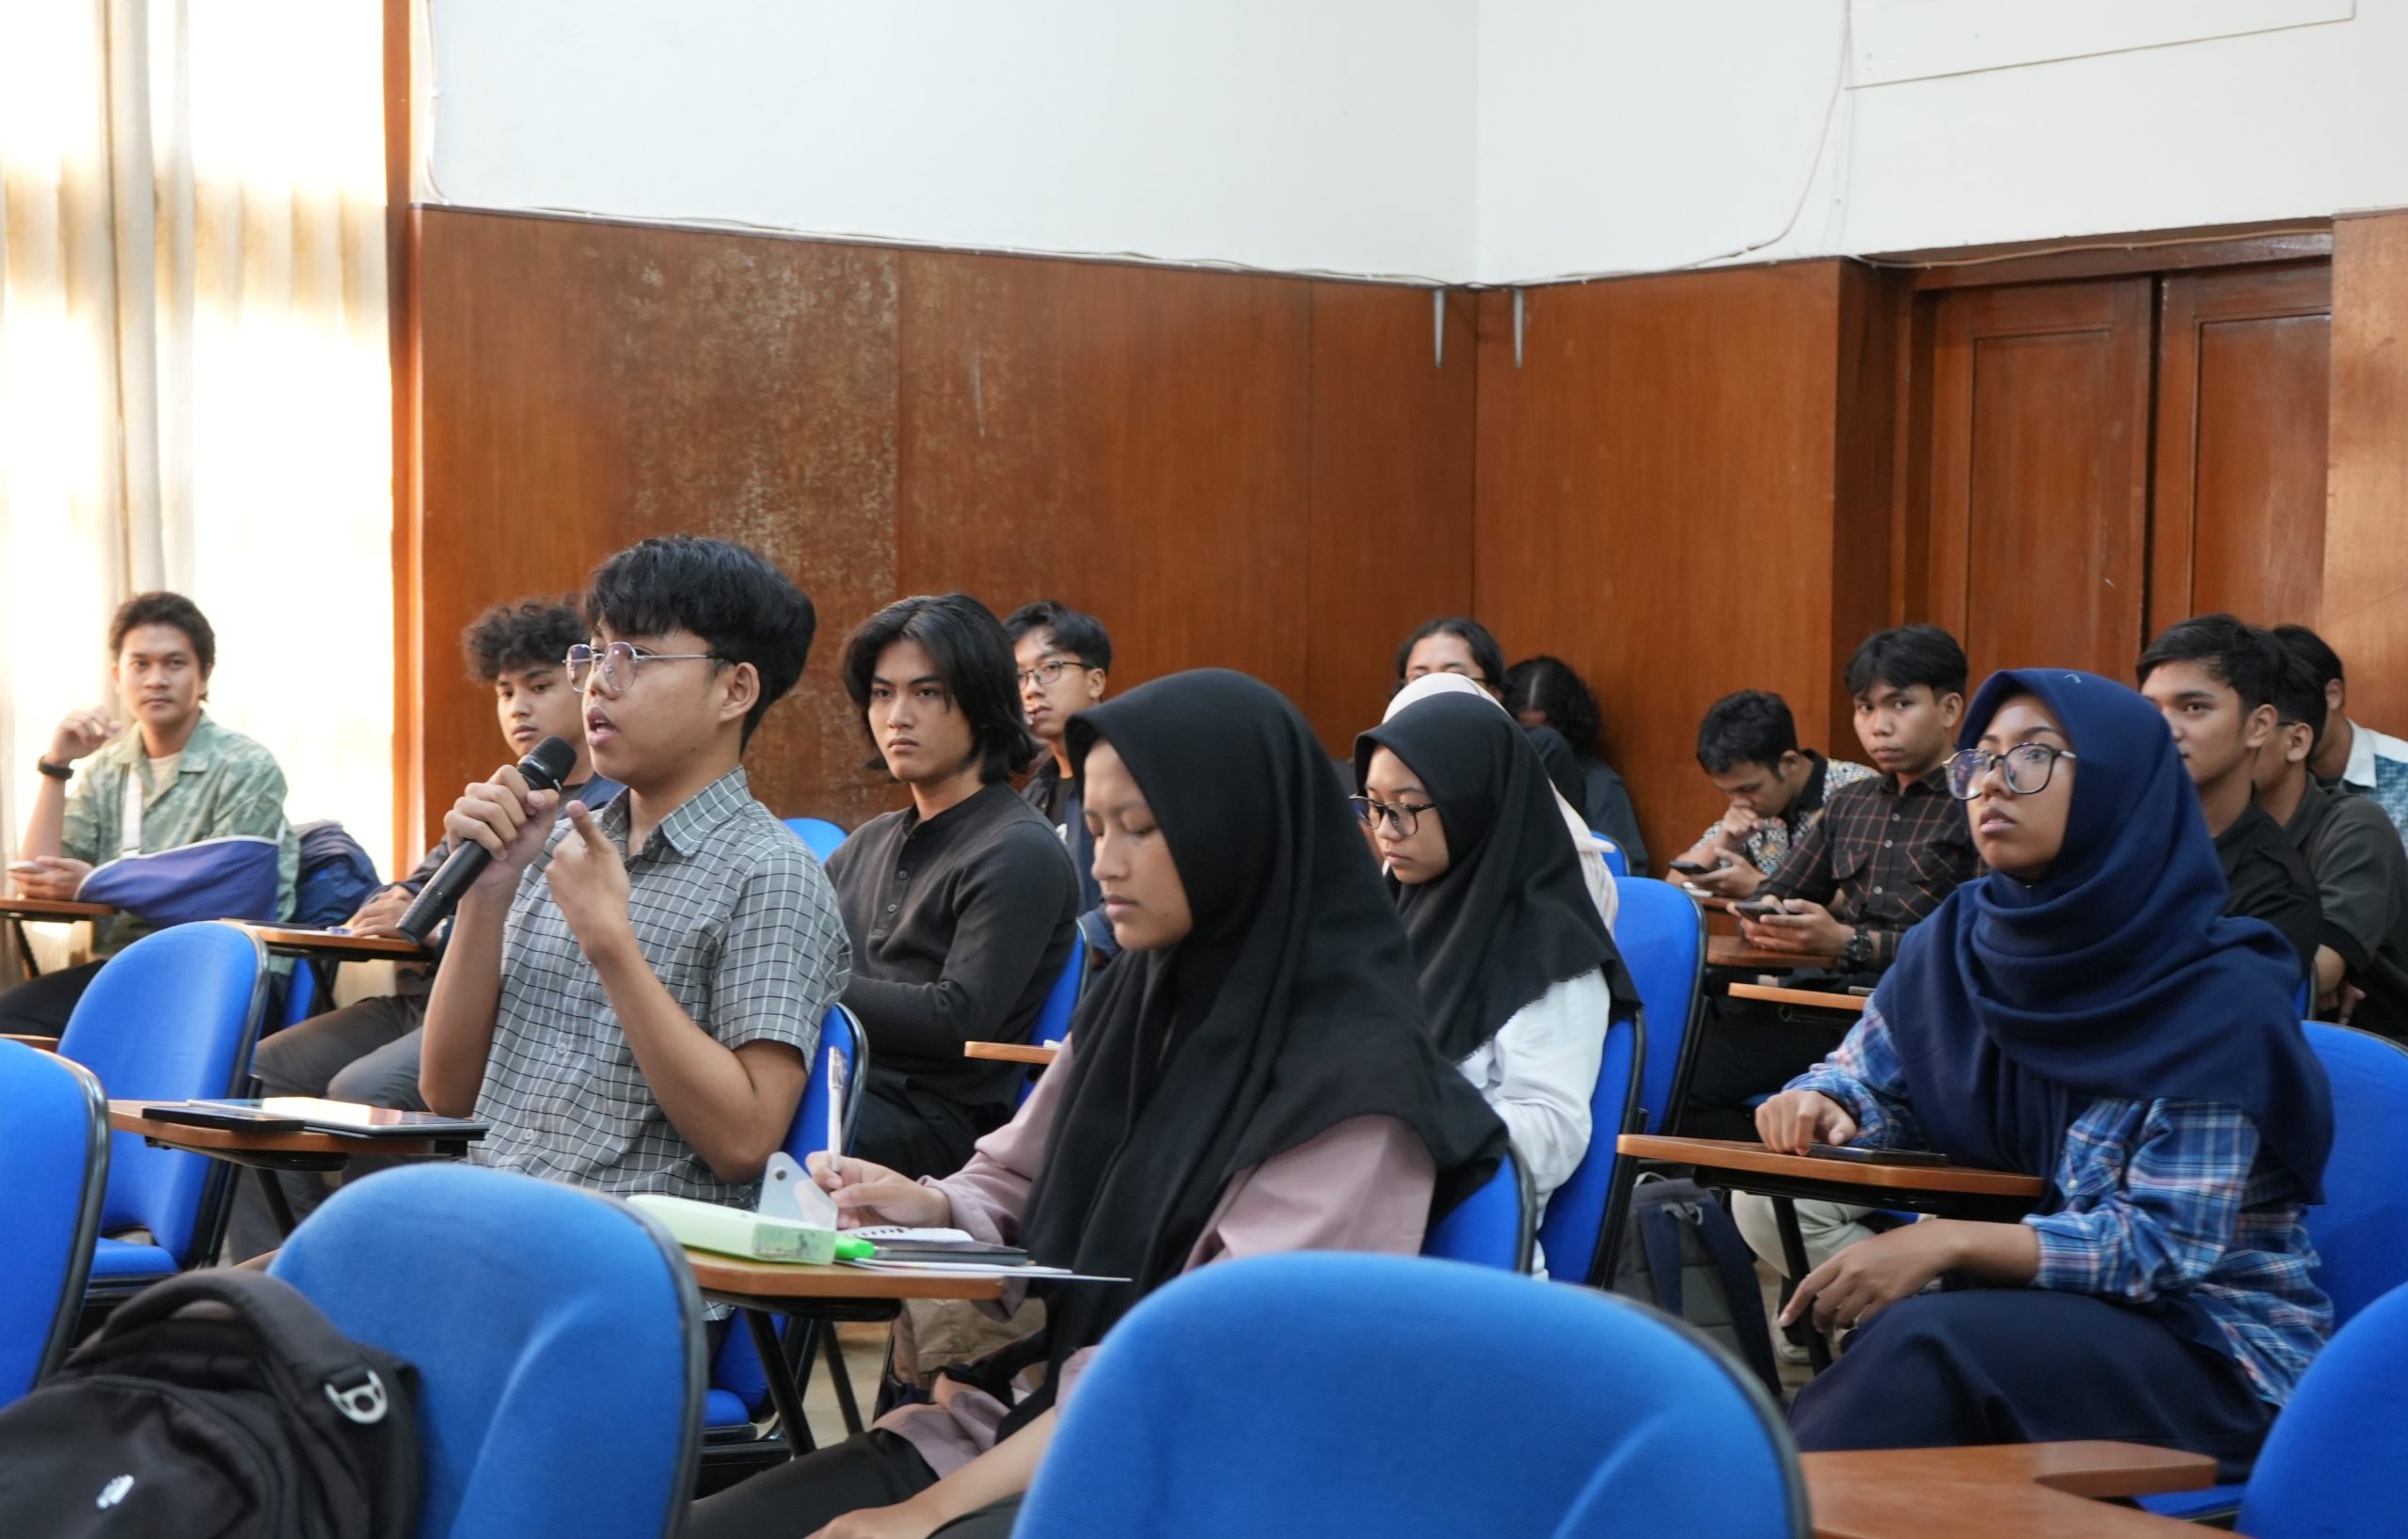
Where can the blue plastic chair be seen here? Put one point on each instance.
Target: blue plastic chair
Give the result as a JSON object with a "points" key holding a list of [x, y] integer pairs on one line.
{"points": [[558, 1337], [1491, 1228], [2361, 1227], [739, 1392], [1616, 862], [821, 835], [1583, 1216], [1312, 1393], [54, 1146], [1661, 933], [172, 1017], [2336, 1463], [1062, 1000]]}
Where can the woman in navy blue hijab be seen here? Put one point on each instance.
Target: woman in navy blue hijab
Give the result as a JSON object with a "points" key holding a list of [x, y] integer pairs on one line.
{"points": [[2081, 1014]]}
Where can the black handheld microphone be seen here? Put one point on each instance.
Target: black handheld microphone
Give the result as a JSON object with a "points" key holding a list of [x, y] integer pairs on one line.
{"points": [[542, 770]]}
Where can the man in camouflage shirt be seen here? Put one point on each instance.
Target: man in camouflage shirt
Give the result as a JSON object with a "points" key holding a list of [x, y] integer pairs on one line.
{"points": [[1748, 746]]}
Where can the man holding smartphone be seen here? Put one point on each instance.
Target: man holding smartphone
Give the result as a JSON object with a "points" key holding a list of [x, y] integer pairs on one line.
{"points": [[1886, 852], [1748, 747]]}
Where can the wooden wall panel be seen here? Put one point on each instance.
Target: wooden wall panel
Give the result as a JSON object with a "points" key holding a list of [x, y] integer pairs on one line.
{"points": [[2244, 376], [1260, 472], [586, 385], [1133, 442], [1656, 505], [2363, 613], [2039, 473], [1390, 541]]}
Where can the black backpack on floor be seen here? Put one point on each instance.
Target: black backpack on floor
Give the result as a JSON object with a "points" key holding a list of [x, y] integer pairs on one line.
{"points": [[1684, 1255], [250, 1419]]}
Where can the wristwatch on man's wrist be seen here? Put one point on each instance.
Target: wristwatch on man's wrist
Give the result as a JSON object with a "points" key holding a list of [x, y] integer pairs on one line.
{"points": [[56, 771], [1859, 954]]}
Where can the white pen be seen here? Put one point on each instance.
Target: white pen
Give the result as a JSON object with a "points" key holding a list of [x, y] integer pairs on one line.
{"points": [[835, 1113]]}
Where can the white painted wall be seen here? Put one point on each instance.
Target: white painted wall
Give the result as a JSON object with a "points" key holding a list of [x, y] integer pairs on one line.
{"points": [[1620, 135], [1465, 141], [1299, 135]]}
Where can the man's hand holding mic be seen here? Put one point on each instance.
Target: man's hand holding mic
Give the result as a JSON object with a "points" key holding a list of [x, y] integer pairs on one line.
{"points": [[510, 818]]}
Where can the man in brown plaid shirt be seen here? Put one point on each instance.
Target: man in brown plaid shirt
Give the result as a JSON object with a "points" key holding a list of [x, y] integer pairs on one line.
{"points": [[1884, 855]]}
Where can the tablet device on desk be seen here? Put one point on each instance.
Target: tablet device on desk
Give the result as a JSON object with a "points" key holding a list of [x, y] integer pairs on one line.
{"points": [[222, 1114], [349, 1117], [1877, 1157]]}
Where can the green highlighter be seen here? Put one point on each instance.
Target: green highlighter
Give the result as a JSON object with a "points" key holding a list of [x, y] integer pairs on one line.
{"points": [[854, 1250]]}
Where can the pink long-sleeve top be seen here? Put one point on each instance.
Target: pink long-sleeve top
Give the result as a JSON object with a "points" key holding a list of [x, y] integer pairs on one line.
{"points": [[1364, 1184]]}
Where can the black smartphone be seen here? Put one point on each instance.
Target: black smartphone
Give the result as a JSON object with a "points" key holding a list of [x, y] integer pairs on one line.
{"points": [[1691, 868], [240, 1119], [1877, 1157], [1756, 908]]}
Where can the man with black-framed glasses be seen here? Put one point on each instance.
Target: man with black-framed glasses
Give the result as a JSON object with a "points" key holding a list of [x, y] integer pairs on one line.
{"points": [[632, 994], [2215, 680], [1064, 660]]}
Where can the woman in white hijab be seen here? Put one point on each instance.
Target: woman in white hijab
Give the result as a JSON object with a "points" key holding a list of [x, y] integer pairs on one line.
{"points": [[1591, 849]]}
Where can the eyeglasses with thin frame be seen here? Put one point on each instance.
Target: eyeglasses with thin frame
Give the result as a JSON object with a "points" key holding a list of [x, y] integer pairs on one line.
{"points": [[1403, 818], [621, 661], [1050, 672], [2028, 766]]}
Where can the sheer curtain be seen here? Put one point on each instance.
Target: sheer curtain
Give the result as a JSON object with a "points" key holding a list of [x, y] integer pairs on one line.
{"points": [[194, 382]]}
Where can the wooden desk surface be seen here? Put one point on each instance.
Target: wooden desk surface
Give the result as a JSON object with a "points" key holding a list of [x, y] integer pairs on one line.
{"points": [[1731, 951], [48, 1045], [126, 1117], [738, 1279], [281, 941], [2033, 1491], [61, 909], [1038, 1053], [1729, 1154], [1810, 998]]}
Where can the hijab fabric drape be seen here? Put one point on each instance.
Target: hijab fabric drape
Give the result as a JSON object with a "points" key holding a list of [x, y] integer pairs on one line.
{"points": [[1510, 916], [1288, 1009], [2116, 974]]}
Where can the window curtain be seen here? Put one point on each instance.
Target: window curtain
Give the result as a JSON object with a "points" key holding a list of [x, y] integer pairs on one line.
{"points": [[194, 389]]}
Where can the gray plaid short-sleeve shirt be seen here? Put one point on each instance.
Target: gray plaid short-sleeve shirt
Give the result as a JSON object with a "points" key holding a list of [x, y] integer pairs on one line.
{"points": [[737, 920]]}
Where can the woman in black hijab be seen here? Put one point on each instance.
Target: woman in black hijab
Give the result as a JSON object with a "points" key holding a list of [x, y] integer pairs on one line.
{"points": [[1516, 968], [1255, 1073]]}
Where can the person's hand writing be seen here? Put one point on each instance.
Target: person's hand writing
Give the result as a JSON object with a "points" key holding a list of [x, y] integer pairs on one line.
{"points": [[904, 1520], [1805, 928], [58, 877], [868, 1195], [1870, 1276], [508, 818], [80, 732], [589, 881], [381, 915]]}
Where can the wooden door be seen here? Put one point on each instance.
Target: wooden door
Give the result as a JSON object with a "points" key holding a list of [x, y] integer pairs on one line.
{"points": [[2243, 380], [2041, 472]]}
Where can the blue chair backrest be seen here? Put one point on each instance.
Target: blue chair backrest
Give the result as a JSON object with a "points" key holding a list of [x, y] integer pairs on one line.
{"points": [[2361, 1227], [821, 835], [1577, 1213], [1661, 933], [1616, 862], [55, 1147], [1062, 1000], [736, 1366], [2336, 1461], [1306, 1394], [1491, 1228], [172, 1017], [558, 1338]]}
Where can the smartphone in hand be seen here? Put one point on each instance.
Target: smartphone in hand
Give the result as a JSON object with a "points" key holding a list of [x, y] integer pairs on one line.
{"points": [[1756, 908], [1693, 868]]}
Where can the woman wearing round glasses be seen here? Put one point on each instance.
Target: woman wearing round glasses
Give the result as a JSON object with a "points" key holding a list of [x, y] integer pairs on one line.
{"points": [[2085, 1014]]}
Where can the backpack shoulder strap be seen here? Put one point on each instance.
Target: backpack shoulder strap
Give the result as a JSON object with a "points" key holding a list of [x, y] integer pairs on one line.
{"points": [[303, 1347]]}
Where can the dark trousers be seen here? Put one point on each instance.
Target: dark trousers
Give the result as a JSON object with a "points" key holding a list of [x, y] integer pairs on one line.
{"points": [[365, 1052], [793, 1501], [2026, 1365], [39, 1006], [1748, 1049], [907, 1128]]}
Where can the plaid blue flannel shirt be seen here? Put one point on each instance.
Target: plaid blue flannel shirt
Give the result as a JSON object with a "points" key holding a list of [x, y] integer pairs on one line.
{"points": [[2149, 1199]]}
